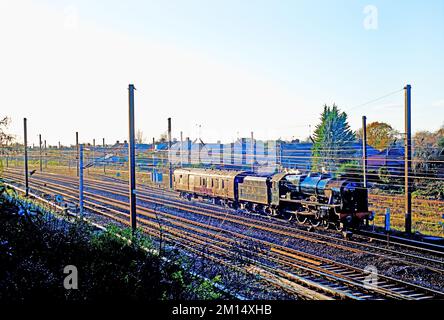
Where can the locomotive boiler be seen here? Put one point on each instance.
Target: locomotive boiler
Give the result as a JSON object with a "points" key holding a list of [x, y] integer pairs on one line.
{"points": [[314, 198]]}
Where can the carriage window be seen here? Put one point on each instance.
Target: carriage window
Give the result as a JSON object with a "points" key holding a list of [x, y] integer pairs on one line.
{"points": [[223, 184]]}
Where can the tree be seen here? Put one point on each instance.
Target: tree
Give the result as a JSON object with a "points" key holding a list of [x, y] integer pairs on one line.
{"points": [[331, 137], [422, 138], [163, 138], [441, 142], [140, 137], [379, 135], [5, 139], [440, 137], [426, 151]]}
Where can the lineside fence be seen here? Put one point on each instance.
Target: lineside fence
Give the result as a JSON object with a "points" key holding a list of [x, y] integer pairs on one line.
{"points": [[385, 171]]}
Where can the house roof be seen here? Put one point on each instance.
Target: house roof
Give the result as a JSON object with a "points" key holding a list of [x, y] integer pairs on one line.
{"points": [[392, 156]]}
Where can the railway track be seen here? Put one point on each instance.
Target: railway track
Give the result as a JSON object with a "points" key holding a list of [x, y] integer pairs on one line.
{"points": [[416, 259], [332, 237], [322, 276], [420, 246]]}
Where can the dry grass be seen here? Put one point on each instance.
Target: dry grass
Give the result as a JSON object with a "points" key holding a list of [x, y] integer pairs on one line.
{"points": [[426, 214]]}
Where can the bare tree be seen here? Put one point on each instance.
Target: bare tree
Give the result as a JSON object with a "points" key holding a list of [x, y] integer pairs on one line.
{"points": [[140, 137], [6, 139], [426, 151], [163, 138]]}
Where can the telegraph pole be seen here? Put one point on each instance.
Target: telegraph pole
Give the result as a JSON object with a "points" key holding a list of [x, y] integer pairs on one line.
{"points": [[93, 153], [181, 148], [40, 152], [364, 150], [132, 163], [104, 154], [25, 131], [153, 179], [80, 167], [7, 157], [170, 169], [46, 156], [77, 157], [252, 151], [408, 159]]}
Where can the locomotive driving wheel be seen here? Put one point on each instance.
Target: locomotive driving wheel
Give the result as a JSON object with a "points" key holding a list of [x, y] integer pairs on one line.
{"points": [[301, 218], [339, 226], [288, 216], [315, 222], [325, 224]]}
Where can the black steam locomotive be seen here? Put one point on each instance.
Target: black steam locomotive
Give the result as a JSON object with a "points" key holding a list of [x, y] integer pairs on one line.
{"points": [[314, 198]]}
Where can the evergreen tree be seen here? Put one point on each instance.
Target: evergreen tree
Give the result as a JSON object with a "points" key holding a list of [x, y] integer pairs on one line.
{"points": [[331, 139]]}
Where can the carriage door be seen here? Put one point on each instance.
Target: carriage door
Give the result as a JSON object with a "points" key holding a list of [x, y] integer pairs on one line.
{"points": [[275, 192], [191, 182]]}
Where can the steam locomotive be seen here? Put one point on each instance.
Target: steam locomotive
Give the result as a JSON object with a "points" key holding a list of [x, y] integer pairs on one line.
{"points": [[314, 198]]}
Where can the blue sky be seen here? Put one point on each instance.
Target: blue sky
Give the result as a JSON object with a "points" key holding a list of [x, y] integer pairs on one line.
{"points": [[297, 54]]}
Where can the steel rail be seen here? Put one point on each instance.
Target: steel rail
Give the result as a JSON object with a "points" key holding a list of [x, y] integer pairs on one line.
{"points": [[313, 257], [308, 237], [184, 241]]}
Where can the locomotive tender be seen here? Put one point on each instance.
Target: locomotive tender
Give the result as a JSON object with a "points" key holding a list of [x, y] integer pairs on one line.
{"points": [[314, 198]]}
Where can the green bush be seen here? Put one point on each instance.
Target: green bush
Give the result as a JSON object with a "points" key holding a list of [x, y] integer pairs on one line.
{"points": [[434, 189], [350, 168], [35, 246]]}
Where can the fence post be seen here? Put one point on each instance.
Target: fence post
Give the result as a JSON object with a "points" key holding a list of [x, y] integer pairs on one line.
{"points": [[387, 220]]}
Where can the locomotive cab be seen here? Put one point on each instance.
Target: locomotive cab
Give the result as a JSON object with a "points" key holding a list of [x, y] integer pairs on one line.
{"points": [[355, 201]]}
